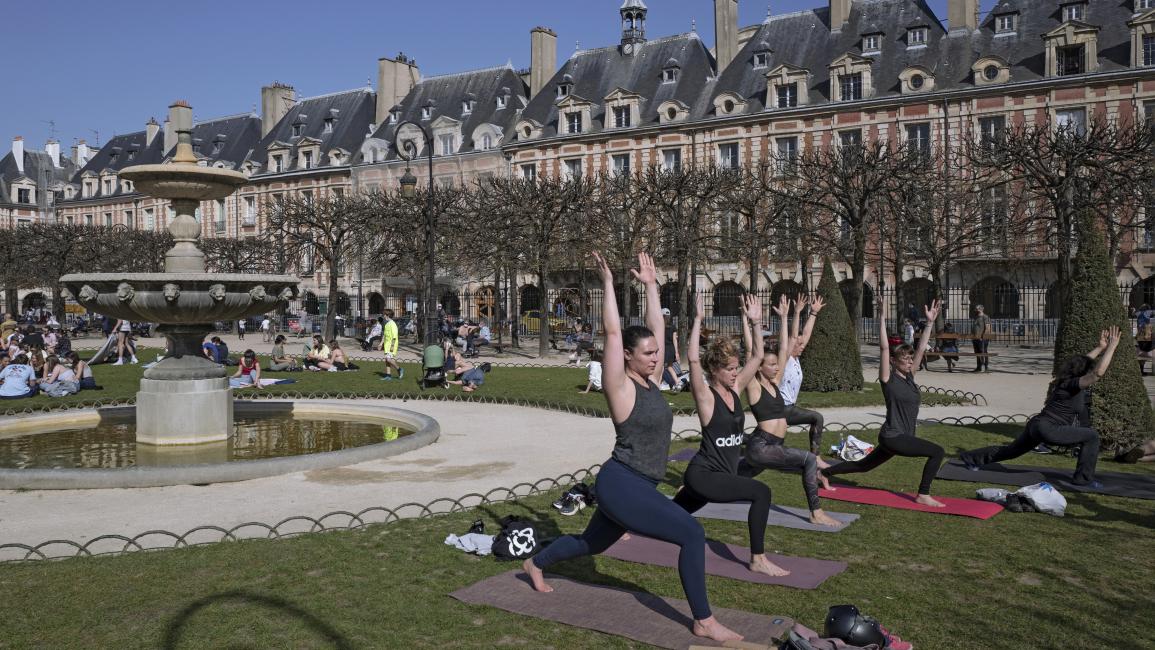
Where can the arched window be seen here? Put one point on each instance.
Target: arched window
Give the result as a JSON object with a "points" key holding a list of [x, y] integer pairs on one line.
{"points": [[376, 304], [485, 301], [999, 297], [728, 299], [310, 303], [1142, 293], [917, 292], [528, 297], [671, 296], [341, 305], [846, 287], [789, 287]]}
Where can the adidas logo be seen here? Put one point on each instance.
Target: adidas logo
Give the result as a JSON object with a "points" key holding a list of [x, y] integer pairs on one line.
{"points": [[729, 441]]}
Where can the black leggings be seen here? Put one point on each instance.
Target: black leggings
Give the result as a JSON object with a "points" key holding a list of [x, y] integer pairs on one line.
{"points": [[891, 446], [1043, 430], [630, 501], [794, 414], [767, 451], [701, 486]]}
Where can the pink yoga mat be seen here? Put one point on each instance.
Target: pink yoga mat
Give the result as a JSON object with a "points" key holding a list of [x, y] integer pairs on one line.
{"points": [[962, 507], [728, 561]]}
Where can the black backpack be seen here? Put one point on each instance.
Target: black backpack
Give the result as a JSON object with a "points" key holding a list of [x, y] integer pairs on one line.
{"points": [[517, 540]]}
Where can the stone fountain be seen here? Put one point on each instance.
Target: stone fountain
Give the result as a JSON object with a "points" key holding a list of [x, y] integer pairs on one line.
{"points": [[185, 398]]}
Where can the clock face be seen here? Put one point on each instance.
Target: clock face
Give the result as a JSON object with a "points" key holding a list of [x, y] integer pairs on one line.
{"points": [[628, 48]]}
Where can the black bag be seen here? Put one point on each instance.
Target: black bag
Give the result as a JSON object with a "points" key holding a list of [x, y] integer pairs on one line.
{"points": [[485, 367], [517, 540]]}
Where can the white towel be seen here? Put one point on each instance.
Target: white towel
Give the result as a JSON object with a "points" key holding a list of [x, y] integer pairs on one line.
{"points": [[472, 543]]}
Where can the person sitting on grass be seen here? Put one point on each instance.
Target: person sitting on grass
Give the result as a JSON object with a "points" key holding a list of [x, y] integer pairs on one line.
{"points": [[469, 377], [59, 379], [248, 372], [278, 360], [318, 354], [18, 380], [337, 362], [595, 368], [83, 371], [1144, 453], [217, 351]]}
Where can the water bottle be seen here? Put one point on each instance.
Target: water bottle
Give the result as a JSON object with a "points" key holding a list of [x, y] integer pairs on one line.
{"points": [[841, 441]]}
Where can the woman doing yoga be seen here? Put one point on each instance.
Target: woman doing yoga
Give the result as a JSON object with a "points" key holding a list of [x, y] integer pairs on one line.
{"points": [[626, 486], [897, 436], [1065, 408], [766, 449], [713, 472]]}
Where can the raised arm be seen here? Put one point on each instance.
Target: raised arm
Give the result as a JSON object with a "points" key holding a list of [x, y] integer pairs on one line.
{"points": [[795, 326], [647, 274], [614, 379], [752, 309], [1111, 336], [816, 306], [1104, 341], [783, 311], [703, 398], [931, 312], [883, 344]]}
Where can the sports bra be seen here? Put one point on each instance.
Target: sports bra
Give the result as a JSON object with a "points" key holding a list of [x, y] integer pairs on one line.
{"points": [[769, 407]]}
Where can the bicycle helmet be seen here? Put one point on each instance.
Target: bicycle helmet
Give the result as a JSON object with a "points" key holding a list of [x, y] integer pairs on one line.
{"points": [[844, 622]]}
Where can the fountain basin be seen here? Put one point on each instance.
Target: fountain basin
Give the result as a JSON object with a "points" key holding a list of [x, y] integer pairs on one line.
{"points": [[179, 298], [425, 431], [184, 181]]}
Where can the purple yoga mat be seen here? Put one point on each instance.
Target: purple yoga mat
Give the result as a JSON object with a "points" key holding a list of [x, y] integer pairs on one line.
{"points": [[728, 561], [683, 456], [646, 618]]}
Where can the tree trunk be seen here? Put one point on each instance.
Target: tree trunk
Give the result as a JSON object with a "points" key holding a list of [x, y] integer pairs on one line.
{"points": [[514, 310], [544, 314], [858, 270], [683, 307], [57, 302], [331, 313]]}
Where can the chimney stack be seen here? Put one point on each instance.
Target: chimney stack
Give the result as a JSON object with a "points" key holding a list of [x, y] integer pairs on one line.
{"points": [[542, 58], [151, 129], [725, 32], [395, 78], [839, 14], [962, 15], [179, 119], [83, 153], [18, 152], [276, 101], [52, 148]]}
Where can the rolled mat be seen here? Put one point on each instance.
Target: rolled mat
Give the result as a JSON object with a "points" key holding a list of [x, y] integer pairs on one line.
{"points": [[646, 618], [962, 507], [1116, 484], [728, 561], [782, 516]]}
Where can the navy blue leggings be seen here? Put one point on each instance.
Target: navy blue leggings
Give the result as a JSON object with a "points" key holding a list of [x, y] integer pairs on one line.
{"points": [[628, 501]]}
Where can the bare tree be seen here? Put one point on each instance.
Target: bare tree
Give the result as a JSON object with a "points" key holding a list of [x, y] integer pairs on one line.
{"points": [[311, 229], [619, 225], [245, 255]]}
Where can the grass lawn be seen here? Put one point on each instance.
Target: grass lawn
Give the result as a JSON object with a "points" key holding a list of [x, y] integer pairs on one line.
{"points": [[558, 386], [1016, 581]]}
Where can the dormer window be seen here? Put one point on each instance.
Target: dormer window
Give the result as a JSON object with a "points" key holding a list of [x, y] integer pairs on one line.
{"points": [[564, 89], [1074, 11], [298, 129], [393, 117], [278, 163], [501, 101], [1070, 60], [217, 146], [1005, 24], [132, 154], [307, 160], [916, 37], [1143, 5], [23, 195], [850, 87], [761, 59], [573, 122], [467, 107], [871, 43], [486, 142], [621, 117], [426, 112], [329, 125], [448, 145], [787, 95]]}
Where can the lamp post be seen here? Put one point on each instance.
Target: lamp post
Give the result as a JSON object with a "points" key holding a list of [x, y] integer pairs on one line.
{"points": [[408, 151]]}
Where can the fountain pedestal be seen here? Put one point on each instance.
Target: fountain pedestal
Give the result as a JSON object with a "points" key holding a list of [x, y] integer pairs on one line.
{"points": [[183, 411]]}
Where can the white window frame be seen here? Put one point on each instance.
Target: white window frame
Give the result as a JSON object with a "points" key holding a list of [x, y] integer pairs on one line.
{"points": [[623, 117], [621, 163], [1075, 11], [1078, 115], [250, 218], [729, 155], [669, 75], [672, 160], [574, 167], [306, 160], [871, 43], [448, 144], [529, 171], [573, 122], [500, 102], [916, 37], [761, 59], [1005, 24], [788, 87], [328, 128]]}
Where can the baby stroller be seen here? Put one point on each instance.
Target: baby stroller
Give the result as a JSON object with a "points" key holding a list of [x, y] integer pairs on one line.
{"points": [[433, 368]]}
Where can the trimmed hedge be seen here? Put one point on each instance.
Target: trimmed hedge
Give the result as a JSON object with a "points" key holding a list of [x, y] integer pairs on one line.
{"points": [[1120, 409], [831, 361]]}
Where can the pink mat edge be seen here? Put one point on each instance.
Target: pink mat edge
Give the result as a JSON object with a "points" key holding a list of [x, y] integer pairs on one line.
{"points": [[905, 501]]}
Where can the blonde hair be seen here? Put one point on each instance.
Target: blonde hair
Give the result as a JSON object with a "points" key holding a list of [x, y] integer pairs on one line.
{"points": [[718, 353]]}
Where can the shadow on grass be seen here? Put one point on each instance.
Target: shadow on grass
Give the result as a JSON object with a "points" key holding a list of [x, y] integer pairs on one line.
{"points": [[180, 627]]}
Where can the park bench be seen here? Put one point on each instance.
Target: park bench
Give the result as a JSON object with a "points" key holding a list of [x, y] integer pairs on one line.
{"points": [[932, 355]]}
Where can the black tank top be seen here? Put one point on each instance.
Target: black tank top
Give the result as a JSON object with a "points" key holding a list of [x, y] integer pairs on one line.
{"points": [[769, 407], [643, 440], [722, 437]]}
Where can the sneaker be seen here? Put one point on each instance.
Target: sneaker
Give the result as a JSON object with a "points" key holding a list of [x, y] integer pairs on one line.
{"points": [[400, 373], [387, 378], [1043, 449], [561, 500], [332, 368], [134, 360], [478, 527], [119, 362], [574, 503]]}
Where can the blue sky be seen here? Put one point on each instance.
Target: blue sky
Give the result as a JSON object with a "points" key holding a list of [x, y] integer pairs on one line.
{"points": [[106, 67]]}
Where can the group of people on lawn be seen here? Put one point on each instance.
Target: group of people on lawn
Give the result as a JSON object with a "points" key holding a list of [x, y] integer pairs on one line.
{"points": [[38, 358]]}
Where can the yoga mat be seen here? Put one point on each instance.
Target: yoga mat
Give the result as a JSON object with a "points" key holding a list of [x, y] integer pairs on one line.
{"points": [[963, 507], [685, 455], [642, 617], [728, 561], [1116, 484], [782, 516]]}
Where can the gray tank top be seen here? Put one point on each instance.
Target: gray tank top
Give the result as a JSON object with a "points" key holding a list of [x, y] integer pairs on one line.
{"points": [[643, 440], [902, 402]]}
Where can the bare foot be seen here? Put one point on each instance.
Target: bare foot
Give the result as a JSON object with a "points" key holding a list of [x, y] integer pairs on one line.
{"points": [[536, 576], [928, 500], [625, 537], [759, 564], [821, 463], [825, 482], [712, 629], [822, 519]]}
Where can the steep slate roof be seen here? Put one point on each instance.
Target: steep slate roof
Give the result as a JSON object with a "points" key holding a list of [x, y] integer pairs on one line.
{"points": [[353, 111], [596, 73], [803, 39], [238, 135], [448, 92], [34, 162], [124, 151]]}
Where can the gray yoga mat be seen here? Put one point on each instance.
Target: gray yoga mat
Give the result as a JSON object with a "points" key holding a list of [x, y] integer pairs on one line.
{"points": [[1116, 484], [728, 561], [642, 617], [783, 516]]}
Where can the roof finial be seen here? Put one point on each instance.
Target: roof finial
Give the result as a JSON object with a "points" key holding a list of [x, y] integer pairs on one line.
{"points": [[768, 11], [693, 25], [577, 46]]}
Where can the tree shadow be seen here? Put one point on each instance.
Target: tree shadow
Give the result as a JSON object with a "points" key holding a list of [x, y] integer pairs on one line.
{"points": [[179, 627]]}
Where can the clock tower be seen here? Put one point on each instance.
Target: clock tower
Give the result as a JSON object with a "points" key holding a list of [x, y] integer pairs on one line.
{"points": [[633, 25]]}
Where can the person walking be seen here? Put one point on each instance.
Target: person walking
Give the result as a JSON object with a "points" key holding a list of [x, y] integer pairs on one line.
{"points": [[389, 342], [897, 436], [628, 499], [266, 329], [241, 329], [981, 339], [791, 384], [123, 342], [1058, 424]]}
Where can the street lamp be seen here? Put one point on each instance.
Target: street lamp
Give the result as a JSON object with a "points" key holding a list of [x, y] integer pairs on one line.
{"points": [[407, 150]]}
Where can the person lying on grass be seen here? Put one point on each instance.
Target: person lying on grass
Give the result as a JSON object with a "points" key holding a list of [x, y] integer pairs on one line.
{"points": [[469, 377]]}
